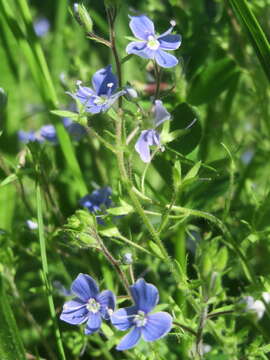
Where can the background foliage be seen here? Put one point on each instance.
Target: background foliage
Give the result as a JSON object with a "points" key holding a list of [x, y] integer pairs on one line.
{"points": [[216, 178]]}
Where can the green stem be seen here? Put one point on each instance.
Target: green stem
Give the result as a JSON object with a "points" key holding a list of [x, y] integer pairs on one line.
{"points": [[46, 273], [158, 78], [113, 261]]}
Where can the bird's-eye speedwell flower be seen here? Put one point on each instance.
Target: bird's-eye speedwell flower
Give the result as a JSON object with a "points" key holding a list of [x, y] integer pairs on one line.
{"points": [[151, 137], [89, 306], [150, 45], [103, 95], [138, 318], [97, 199]]}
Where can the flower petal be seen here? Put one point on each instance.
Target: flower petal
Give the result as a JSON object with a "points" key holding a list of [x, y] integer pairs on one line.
{"points": [[123, 319], [142, 148], [129, 340], [84, 94], [144, 295], [106, 299], [164, 59], [48, 132], [147, 138], [102, 78], [93, 323], [74, 312], [170, 42], [140, 48], [161, 114], [141, 26], [85, 287], [157, 326]]}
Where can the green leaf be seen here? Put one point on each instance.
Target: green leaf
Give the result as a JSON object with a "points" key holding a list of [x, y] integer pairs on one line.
{"points": [[156, 249], [9, 179], [183, 116], [109, 230], [124, 209], [193, 171], [212, 80], [11, 346], [256, 34], [65, 113]]}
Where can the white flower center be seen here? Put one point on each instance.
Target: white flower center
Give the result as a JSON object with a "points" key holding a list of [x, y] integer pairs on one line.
{"points": [[140, 319], [100, 100], [93, 305], [152, 43]]}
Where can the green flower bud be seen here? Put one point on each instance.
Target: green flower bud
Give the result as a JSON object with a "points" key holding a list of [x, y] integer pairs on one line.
{"points": [[83, 17]]}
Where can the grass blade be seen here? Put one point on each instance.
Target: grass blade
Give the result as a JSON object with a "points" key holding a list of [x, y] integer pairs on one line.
{"points": [[256, 34], [11, 346], [46, 273]]}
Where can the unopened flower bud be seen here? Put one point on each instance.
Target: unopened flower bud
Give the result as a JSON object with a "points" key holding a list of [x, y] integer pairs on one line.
{"points": [[131, 92], [83, 17], [127, 259]]}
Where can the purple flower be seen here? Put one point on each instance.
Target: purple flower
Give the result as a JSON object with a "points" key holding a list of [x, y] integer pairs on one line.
{"points": [[27, 136], [48, 133], [103, 95], [89, 305], [41, 26], [150, 45], [98, 198], [151, 137], [137, 318], [97, 201]]}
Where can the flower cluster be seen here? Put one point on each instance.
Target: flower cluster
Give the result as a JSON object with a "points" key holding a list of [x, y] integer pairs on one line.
{"points": [[48, 133], [90, 306]]}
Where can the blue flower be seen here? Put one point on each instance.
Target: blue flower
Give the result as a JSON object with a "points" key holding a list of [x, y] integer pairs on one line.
{"points": [[89, 306], [97, 201], [98, 198], [27, 136], [103, 96], [137, 318], [151, 137], [48, 133], [41, 26], [150, 45]]}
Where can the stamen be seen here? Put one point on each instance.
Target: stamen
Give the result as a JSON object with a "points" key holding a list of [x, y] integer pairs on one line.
{"points": [[110, 85], [78, 82], [173, 23], [93, 305]]}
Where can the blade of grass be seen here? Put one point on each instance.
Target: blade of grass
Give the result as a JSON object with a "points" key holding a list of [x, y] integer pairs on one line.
{"points": [[11, 346], [38, 66], [256, 34], [45, 269]]}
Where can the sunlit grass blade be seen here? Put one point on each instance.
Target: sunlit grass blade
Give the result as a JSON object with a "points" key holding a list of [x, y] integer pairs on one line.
{"points": [[45, 269], [256, 34], [11, 346]]}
